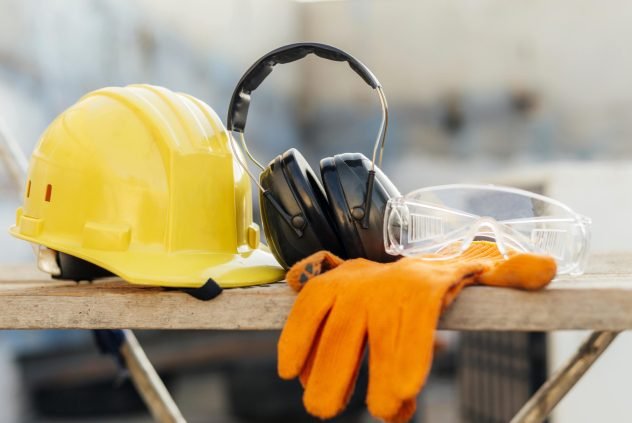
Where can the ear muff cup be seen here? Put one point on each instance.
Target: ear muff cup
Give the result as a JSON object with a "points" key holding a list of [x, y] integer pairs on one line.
{"points": [[345, 179], [296, 188]]}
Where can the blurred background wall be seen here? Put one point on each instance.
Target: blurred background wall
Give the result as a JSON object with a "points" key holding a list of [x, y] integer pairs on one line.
{"points": [[478, 91]]}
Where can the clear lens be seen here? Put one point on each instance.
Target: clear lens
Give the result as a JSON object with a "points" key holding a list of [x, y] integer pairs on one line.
{"points": [[415, 228], [427, 220]]}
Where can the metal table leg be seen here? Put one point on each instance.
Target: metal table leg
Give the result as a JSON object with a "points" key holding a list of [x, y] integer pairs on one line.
{"points": [[557, 386], [148, 383]]}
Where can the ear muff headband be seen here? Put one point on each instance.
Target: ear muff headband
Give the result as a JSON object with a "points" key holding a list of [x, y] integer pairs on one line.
{"points": [[254, 76], [250, 81]]}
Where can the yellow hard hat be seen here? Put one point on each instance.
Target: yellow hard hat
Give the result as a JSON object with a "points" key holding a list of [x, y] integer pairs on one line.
{"points": [[142, 182]]}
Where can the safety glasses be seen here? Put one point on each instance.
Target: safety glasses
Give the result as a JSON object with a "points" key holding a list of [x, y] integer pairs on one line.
{"points": [[436, 219]]}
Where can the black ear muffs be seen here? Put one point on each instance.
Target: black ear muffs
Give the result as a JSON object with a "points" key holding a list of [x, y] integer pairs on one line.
{"points": [[296, 189], [345, 180], [299, 216]]}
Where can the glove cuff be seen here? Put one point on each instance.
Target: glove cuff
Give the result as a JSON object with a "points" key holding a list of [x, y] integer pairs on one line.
{"points": [[311, 267]]}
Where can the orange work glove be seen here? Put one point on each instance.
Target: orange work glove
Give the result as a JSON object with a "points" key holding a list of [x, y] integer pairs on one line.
{"points": [[396, 308]]}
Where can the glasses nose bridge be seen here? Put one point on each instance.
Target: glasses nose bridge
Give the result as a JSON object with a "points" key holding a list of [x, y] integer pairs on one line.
{"points": [[489, 223], [486, 224]]}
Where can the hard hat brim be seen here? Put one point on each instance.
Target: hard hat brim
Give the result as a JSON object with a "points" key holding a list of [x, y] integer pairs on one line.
{"points": [[187, 269]]}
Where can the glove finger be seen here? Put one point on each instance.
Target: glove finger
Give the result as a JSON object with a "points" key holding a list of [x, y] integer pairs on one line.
{"points": [[405, 412], [356, 372], [336, 360], [309, 311], [415, 344], [307, 371], [524, 271], [419, 322], [414, 355], [309, 362], [401, 337], [383, 329]]}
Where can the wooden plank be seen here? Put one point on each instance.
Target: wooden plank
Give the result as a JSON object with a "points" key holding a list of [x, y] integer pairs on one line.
{"points": [[598, 300]]}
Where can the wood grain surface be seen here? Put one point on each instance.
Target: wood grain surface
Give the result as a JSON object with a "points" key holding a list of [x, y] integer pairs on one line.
{"points": [[599, 300]]}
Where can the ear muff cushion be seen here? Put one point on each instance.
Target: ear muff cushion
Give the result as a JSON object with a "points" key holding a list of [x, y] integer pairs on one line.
{"points": [[296, 187], [345, 181]]}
